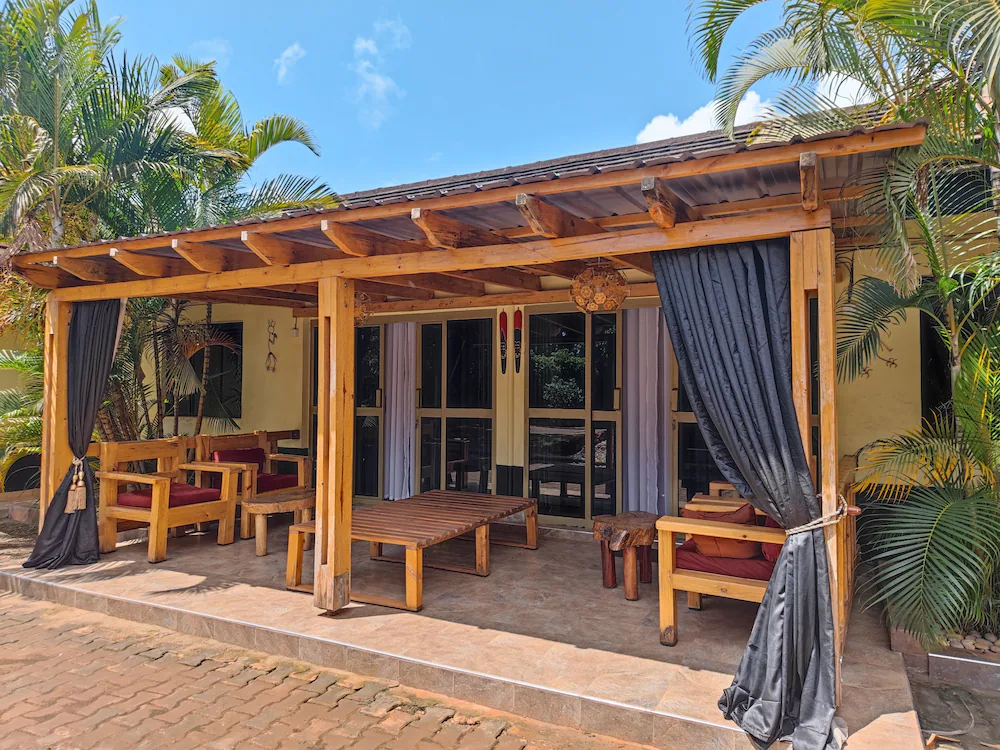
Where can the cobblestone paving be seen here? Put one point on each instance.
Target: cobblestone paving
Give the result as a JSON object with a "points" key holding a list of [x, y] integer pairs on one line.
{"points": [[77, 680]]}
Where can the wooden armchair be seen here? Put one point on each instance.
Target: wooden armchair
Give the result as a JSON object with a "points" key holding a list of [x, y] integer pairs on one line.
{"points": [[165, 501], [258, 453], [747, 584]]}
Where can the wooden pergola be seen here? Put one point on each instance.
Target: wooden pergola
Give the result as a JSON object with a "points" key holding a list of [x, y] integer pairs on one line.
{"points": [[502, 241]]}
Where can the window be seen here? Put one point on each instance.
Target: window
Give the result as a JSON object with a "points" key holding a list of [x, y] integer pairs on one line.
{"points": [[224, 396]]}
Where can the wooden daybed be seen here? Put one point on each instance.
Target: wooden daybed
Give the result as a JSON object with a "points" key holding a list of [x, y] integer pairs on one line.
{"points": [[417, 523]]}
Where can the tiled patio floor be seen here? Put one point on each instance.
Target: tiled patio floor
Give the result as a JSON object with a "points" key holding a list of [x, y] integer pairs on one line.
{"points": [[539, 637]]}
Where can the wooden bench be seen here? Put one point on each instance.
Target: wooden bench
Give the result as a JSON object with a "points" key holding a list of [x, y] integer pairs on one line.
{"points": [[697, 582], [417, 523]]}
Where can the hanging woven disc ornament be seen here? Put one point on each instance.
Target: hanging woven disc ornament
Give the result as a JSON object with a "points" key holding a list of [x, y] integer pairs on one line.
{"points": [[600, 287], [362, 308]]}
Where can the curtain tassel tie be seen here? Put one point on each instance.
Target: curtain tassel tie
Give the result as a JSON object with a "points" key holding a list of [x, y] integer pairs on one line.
{"points": [[77, 497], [830, 519]]}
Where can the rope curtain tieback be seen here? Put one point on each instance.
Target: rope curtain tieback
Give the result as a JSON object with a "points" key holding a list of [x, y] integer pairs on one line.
{"points": [[77, 498], [843, 511]]}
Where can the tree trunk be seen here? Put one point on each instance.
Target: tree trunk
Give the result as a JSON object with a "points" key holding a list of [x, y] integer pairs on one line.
{"points": [[204, 373], [158, 371], [176, 397]]}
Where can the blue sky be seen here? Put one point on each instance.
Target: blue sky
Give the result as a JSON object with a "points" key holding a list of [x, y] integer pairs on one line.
{"points": [[397, 92]]}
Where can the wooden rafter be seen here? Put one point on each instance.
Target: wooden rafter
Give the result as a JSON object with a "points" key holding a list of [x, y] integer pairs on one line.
{"points": [[393, 290], [95, 270], [212, 258], [436, 283], [444, 232], [361, 242], [145, 264], [809, 181], [548, 220], [48, 277], [778, 223], [664, 205], [278, 251]]}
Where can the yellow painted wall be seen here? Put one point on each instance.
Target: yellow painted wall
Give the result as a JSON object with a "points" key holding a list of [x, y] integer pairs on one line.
{"points": [[10, 379], [271, 400]]}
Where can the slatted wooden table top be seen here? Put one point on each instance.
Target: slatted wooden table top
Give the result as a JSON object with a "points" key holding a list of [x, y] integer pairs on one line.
{"points": [[432, 517]]}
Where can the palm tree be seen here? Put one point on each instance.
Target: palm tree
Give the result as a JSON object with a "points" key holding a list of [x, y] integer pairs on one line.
{"points": [[932, 533], [79, 129]]}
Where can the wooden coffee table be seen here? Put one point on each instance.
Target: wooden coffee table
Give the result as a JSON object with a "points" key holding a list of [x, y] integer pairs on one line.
{"points": [[299, 502]]}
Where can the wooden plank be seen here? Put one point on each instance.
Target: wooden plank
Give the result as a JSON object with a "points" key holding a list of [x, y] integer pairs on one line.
{"points": [[809, 185], [443, 231], [437, 283], [548, 220], [538, 252], [748, 159], [714, 584], [665, 207], [511, 278], [56, 453], [336, 438], [801, 374], [639, 261], [667, 549], [278, 251], [361, 242], [392, 290], [95, 270], [828, 417], [636, 291], [721, 529], [152, 265], [46, 277], [213, 258]]}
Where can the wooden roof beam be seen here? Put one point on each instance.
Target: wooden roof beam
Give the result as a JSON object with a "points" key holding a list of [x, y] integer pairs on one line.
{"points": [[444, 232], [48, 277], [361, 242], [565, 269], [392, 290], [812, 195], [213, 258], [152, 265], [548, 220], [278, 251], [95, 270], [436, 283], [664, 205]]}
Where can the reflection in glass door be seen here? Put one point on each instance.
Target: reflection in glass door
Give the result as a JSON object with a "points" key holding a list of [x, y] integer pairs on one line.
{"points": [[368, 417], [455, 405], [573, 413]]}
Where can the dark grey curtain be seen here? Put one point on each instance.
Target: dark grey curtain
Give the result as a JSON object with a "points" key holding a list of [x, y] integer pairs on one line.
{"points": [[727, 308], [71, 538]]}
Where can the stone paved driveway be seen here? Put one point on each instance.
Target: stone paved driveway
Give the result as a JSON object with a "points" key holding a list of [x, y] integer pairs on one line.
{"points": [[77, 680]]}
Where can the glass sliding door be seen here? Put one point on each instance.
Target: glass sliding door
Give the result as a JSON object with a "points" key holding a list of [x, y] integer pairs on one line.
{"points": [[368, 416], [455, 405], [574, 414]]}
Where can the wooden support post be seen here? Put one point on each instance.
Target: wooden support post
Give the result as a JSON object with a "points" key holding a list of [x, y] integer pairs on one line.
{"points": [[334, 444], [668, 598], [826, 275], [802, 277], [56, 453]]}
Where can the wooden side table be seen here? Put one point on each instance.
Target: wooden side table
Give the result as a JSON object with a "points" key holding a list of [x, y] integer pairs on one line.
{"points": [[627, 532], [299, 502]]}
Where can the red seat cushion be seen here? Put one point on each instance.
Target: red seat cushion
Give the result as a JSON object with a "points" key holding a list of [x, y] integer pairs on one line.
{"points": [[771, 551], [711, 546], [757, 568], [180, 494], [242, 456], [271, 482]]}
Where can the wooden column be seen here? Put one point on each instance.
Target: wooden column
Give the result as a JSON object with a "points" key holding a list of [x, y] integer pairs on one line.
{"points": [[334, 444], [829, 458], [56, 453], [803, 283]]}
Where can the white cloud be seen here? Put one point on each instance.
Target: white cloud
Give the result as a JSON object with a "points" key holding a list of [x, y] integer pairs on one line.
{"points": [[375, 89], [396, 31], [216, 50], [702, 119], [365, 46], [287, 60]]}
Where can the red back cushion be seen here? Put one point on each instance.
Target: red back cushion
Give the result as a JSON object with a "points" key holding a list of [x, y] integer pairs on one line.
{"points": [[771, 551], [711, 546], [242, 456]]}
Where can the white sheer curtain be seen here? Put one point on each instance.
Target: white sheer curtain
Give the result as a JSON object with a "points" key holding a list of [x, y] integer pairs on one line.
{"points": [[400, 408], [646, 414]]}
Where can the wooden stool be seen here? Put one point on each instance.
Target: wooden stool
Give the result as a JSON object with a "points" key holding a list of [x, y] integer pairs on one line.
{"points": [[627, 532], [298, 502]]}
